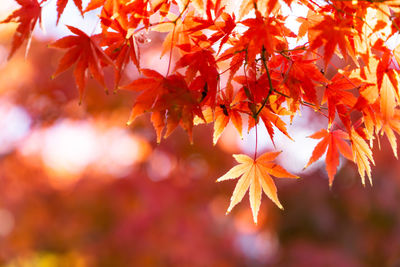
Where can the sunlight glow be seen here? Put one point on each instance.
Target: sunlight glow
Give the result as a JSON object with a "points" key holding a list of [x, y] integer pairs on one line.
{"points": [[160, 165], [14, 125], [69, 147]]}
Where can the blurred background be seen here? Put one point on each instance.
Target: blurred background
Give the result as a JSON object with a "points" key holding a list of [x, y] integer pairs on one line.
{"points": [[79, 188]]}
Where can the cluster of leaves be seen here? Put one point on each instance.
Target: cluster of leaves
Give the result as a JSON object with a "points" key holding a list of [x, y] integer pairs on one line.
{"points": [[238, 66]]}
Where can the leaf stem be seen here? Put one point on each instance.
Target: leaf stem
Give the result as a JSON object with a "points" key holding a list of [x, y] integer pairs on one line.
{"points": [[301, 101], [271, 88], [255, 149]]}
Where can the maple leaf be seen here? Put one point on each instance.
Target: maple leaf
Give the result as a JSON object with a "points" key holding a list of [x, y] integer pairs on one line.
{"points": [[302, 75], [94, 4], [334, 141], [225, 29], [169, 99], [265, 7], [264, 33], [368, 92], [254, 87], [122, 45], [202, 61], [336, 93], [61, 4], [270, 118], [87, 55], [27, 17], [177, 31], [223, 114], [276, 79], [129, 13], [362, 154], [389, 127], [331, 32], [245, 7], [228, 108], [109, 4], [387, 81], [255, 174], [122, 50], [388, 96]]}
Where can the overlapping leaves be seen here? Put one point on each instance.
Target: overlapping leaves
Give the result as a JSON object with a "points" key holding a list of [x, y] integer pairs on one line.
{"points": [[238, 67]]}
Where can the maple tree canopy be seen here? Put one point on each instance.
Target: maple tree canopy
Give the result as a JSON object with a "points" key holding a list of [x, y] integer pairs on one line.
{"points": [[240, 66]]}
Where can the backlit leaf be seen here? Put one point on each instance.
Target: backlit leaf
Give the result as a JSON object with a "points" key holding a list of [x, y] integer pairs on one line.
{"points": [[362, 155], [255, 174]]}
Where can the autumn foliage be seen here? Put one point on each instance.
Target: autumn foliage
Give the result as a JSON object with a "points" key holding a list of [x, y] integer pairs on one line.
{"points": [[249, 67]]}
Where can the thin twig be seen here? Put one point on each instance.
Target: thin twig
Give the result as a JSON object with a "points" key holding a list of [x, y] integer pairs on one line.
{"points": [[271, 88]]}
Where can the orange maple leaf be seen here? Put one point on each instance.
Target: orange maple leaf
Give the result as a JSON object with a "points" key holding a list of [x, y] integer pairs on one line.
{"points": [[228, 108], [387, 81], [177, 31], [389, 95], [333, 140], [224, 114], [255, 174], [389, 127]]}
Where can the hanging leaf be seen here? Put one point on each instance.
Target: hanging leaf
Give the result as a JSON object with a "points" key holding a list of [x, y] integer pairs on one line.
{"points": [[86, 54], [255, 174], [334, 142]]}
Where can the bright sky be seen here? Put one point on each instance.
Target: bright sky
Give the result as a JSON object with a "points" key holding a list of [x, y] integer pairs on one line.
{"points": [[71, 16]]}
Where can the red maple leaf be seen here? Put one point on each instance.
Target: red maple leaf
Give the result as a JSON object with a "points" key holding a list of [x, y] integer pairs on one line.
{"points": [[337, 94], [169, 99], [264, 33], [87, 55], [27, 17], [302, 75], [122, 50], [331, 32], [122, 46], [202, 62], [61, 4]]}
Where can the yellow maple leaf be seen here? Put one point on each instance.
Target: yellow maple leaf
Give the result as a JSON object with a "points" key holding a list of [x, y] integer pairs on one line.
{"points": [[388, 98], [256, 175], [389, 127], [362, 154]]}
